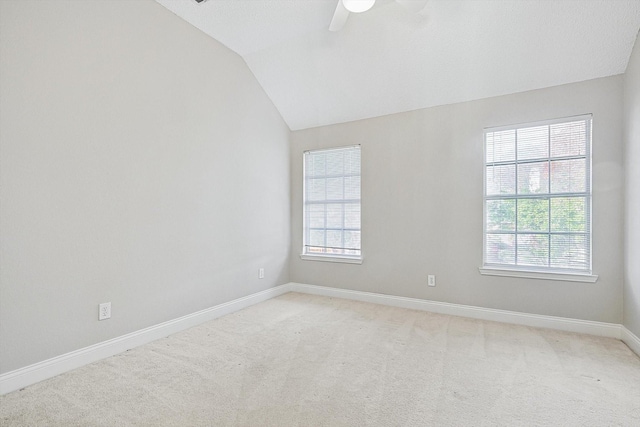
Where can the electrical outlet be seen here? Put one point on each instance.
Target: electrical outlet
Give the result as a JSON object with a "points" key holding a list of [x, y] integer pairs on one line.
{"points": [[432, 280], [261, 273], [104, 311]]}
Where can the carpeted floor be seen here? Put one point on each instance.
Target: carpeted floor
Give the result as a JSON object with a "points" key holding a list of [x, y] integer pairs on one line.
{"points": [[303, 360]]}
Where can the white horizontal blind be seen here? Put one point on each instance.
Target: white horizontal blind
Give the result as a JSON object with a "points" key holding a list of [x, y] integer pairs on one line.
{"points": [[537, 202], [332, 202]]}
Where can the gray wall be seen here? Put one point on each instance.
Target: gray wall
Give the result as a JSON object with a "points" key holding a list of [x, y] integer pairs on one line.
{"points": [[141, 163], [422, 203], [632, 192]]}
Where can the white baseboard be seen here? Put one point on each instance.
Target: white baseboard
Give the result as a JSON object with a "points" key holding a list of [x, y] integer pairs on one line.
{"points": [[610, 330], [631, 340], [40, 371]]}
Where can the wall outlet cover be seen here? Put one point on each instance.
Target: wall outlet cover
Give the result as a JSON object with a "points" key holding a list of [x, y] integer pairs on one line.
{"points": [[104, 311]]}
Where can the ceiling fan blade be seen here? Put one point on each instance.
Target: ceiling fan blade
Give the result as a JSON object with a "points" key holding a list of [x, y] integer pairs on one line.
{"points": [[414, 6], [340, 17]]}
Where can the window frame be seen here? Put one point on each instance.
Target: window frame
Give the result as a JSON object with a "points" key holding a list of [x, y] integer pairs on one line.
{"points": [[339, 258], [540, 272]]}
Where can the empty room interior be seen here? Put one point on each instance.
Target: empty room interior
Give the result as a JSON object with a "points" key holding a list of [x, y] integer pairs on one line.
{"points": [[319, 212]]}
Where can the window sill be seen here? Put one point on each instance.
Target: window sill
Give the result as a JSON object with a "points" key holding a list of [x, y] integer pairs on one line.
{"points": [[568, 277], [329, 258]]}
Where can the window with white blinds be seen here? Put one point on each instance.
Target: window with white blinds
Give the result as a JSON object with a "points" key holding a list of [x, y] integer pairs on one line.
{"points": [[537, 199], [332, 203]]}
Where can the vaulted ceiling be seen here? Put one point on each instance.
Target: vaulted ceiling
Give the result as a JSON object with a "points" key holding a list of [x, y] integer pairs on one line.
{"points": [[391, 59]]}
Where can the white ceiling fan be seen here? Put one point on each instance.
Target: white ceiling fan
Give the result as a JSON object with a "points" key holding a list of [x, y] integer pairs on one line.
{"points": [[345, 7]]}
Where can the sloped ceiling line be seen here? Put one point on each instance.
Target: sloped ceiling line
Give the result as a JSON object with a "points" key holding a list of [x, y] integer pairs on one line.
{"points": [[388, 60]]}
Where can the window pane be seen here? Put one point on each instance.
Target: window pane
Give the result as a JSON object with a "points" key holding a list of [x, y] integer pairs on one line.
{"points": [[317, 165], [569, 251], [335, 188], [533, 143], [569, 139], [501, 146], [501, 215], [352, 240], [533, 178], [335, 162], [315, 189], [568, 214], [334, 241], [316, 237], [568, 176], [501, 179], [533, 249], [352, 215], [334, 216], [500, 249], [533, 215], [316, 216], [352, 162], [352, 187]]}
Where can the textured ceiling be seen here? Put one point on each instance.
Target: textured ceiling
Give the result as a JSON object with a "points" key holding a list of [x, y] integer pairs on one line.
{"points": [[389, 60]]}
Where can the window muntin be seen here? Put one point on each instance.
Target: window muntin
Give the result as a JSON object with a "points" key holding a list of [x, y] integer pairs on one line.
{"points": [[332, 203], [537, 201]]}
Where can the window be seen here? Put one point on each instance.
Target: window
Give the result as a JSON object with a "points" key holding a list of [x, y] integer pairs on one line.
{"points": [[332, 204], [537, 197]]}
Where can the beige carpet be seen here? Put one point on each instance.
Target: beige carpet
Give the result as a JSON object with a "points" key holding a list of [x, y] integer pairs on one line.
{"points": [[303, 360]]}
